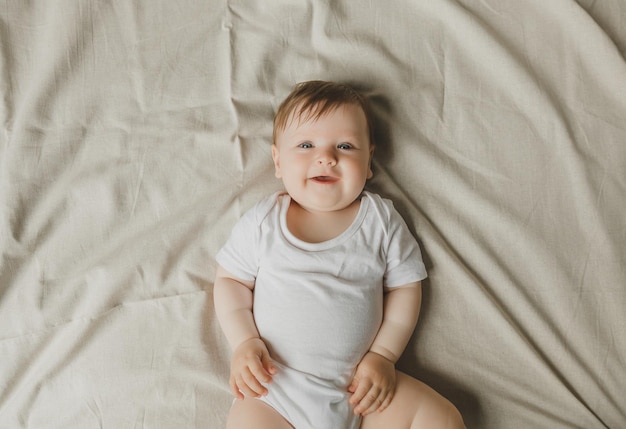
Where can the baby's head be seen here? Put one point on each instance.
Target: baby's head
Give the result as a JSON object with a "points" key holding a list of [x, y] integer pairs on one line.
{"points": [[323, 145]]}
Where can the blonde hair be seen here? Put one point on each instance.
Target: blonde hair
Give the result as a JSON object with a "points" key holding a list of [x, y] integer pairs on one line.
{"points": [[313, 99]]}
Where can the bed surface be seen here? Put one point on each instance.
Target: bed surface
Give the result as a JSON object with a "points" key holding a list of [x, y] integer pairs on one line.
{"points": [[133, 135]]}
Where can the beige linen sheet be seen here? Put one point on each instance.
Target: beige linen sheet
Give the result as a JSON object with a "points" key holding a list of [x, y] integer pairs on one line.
{"points": [[134, 134]]}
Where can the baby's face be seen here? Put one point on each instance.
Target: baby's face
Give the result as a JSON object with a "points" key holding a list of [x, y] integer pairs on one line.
{"points": [[325, 162]]}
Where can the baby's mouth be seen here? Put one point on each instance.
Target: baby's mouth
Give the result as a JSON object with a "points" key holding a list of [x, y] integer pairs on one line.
{"points": [[324, 179]]}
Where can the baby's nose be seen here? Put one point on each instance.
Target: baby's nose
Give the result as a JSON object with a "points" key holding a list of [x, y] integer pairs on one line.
{"points": [[326, 159]]}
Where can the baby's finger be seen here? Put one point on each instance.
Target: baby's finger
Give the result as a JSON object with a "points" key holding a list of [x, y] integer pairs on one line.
{"points": [[250, 385], [353, 386], [247, 391], [259, 372], [233, 387], [268, 365], [374, 400], [368, 400], [360, 390], [386, 402]]}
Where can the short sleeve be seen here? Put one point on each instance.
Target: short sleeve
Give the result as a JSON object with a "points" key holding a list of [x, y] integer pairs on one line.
{"points": [[239, 256], [404, 258]]}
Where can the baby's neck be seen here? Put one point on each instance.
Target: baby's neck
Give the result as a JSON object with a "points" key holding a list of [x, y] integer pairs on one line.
{"points": [[317, 227]]}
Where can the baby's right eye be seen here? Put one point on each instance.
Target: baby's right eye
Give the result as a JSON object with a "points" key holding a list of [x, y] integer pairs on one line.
{"points": [[305, 145]]}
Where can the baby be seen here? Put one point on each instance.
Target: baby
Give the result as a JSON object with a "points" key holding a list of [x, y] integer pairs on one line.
{"points": [[318, 288]]}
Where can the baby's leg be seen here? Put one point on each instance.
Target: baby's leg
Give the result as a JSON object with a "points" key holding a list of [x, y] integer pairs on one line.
{"points": [[252, 413], [415, 406]]}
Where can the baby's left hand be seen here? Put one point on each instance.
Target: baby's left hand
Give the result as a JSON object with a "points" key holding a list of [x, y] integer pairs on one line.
{"points": [[373, 385]]}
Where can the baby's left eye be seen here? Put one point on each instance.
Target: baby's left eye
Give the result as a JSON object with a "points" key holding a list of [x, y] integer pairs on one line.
{"points": [[344, 146]]}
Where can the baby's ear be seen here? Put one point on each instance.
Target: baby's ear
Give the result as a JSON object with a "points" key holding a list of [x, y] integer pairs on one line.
{"points": [[370, 173], [276, 158]]}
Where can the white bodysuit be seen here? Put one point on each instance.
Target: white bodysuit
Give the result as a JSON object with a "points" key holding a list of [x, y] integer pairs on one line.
{"points": [[318, 306]]}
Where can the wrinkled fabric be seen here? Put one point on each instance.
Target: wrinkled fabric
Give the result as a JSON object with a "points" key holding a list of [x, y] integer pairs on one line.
{"points": [[133, 136]]}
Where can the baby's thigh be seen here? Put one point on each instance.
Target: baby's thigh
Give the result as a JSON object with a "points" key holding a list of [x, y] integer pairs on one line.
{"points": [[415, 405], [252, 413]]}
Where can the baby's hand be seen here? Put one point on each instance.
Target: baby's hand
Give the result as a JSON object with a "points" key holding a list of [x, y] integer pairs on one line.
{"points": [[251, 365], [373, 385]]}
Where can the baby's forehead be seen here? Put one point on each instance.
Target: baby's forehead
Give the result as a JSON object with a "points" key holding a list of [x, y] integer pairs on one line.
{"points": [[306, 112]]}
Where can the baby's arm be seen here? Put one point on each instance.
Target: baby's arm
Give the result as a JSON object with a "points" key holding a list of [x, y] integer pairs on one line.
{"points": [[251, 363], [374, 381], [400, 313]]}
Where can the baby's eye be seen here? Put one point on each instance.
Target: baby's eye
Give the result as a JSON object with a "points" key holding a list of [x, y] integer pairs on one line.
{"points": [[344, 146], [305, 145]]}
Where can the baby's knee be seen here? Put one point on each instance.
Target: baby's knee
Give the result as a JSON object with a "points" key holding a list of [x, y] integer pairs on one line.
{"points": [[453, 418], [440, 414], [427, 408]]}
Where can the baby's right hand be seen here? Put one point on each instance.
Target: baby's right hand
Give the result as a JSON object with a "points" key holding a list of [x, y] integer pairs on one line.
{"points": [[251, 366]]}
